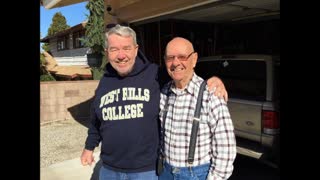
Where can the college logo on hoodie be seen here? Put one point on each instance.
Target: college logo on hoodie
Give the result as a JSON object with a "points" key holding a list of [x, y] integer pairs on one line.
{"points": [[128, 111]]}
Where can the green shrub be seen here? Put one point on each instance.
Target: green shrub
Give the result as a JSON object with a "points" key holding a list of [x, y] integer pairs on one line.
{"points": [[47, 77], [97, 73], [42, 59]]}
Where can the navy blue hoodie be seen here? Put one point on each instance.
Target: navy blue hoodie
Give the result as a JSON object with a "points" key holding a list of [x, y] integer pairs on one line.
{"points": [[124, 118]]}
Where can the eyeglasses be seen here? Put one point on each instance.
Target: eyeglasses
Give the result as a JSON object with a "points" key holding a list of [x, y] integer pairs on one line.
{"points": [[180, 57]]}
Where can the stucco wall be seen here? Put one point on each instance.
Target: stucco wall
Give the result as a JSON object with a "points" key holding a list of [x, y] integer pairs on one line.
{"points": [[66, 100]]}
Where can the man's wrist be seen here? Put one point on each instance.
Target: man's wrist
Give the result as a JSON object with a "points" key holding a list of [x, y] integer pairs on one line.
{"points": [[90, 148]]}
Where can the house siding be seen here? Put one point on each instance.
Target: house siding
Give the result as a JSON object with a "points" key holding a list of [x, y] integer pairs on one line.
{"points": [[68, 57]]}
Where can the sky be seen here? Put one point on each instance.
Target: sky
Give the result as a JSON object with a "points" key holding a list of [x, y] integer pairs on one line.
{"points": [[74, 14]]}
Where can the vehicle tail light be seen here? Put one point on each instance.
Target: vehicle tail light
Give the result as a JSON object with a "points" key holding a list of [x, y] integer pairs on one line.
{"points": [[271, 123]]}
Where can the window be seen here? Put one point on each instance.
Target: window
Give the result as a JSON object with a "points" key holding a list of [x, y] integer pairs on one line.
{"points": [[244, 79], [62, 43], [77, 43]]}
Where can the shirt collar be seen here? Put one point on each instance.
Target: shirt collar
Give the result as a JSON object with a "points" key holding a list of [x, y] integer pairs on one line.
{"points": [[190, 88]]}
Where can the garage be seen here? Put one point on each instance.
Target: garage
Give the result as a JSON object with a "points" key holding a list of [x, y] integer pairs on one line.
{"points": [[229, 29], [220, 27]]}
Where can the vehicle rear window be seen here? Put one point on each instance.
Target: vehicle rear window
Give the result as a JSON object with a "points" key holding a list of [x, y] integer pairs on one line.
{"points": [[244, 79]]}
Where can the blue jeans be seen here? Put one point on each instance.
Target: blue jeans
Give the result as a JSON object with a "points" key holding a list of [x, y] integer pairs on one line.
{"points": [[107, 174], [185, 173]]}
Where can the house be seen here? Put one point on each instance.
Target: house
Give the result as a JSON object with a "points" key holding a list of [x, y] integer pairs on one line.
{"points": [[70, 55], [66, 47]]}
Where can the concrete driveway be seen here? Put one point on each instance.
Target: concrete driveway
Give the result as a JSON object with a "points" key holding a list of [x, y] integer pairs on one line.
{"points": [[72, 170]]}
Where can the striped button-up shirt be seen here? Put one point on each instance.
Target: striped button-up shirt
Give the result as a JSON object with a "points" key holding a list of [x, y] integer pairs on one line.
{"points": [[215, 143]]}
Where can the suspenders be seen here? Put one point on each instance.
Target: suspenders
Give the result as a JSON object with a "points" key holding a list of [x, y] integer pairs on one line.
{"points": [[195, 125]]}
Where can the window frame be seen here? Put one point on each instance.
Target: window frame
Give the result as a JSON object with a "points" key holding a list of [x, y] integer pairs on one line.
{"points": [[63, 43], [76, 41]]}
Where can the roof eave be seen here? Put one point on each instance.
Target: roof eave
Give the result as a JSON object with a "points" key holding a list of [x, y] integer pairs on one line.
{"points": [[50, 4]]}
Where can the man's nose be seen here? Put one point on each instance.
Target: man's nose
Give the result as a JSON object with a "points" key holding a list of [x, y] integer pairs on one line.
{"points": [[121, 54], [175, 60]]}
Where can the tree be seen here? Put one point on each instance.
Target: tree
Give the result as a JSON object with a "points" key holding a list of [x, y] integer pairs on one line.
{"points": [[95, 26], [94, 36], [45, 47], [59, 23]]}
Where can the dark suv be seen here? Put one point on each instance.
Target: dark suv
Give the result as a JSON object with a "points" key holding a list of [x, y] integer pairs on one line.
{"points": [[253, 85]]}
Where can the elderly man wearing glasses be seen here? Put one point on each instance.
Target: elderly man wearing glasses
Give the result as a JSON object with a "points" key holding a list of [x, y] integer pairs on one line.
{"points": [[215, 144]]}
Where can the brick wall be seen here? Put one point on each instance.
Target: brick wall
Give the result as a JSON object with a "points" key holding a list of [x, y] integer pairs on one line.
{"points": [[65, 100]]}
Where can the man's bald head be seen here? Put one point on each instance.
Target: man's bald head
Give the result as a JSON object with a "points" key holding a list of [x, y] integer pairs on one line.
{"points": [[181, 42]]}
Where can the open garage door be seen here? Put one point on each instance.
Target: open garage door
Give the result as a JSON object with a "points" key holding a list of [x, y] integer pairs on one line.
{"points": [[219, 27], [220, 12]]}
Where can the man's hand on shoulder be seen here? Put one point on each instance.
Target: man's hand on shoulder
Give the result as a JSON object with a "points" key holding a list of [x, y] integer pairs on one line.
{"points": [[216, 86]]}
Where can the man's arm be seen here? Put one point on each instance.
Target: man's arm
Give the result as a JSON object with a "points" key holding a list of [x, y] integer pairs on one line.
{"points": [[216, 86], [223, 142], [93, 138]]}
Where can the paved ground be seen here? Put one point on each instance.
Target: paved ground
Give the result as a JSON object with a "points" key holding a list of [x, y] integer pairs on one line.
{"points": [[61, 141], [71, 170], [61, 144]]}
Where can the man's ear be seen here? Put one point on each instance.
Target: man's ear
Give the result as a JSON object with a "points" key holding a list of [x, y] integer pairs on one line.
{"points": [[137, 50], [195, 59]]}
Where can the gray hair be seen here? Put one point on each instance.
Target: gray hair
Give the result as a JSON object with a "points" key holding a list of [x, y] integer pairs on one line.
{"points": [[123, 31]]}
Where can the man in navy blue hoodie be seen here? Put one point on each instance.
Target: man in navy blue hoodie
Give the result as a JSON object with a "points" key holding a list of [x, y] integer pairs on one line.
{"points": [[124, 113]]}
